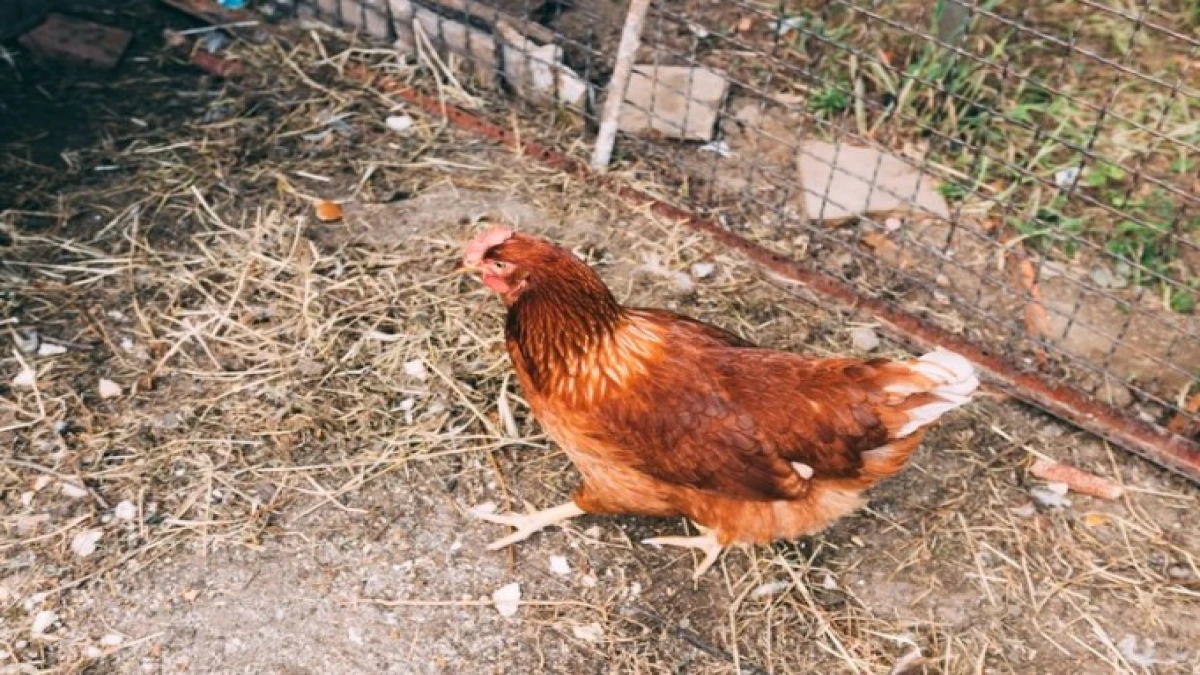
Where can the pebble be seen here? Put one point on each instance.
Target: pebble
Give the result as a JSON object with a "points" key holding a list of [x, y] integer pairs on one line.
{"points": [[112, 640], [770, 588], [126, 510], [1179, 572], [864, 338], [399, 123], [1050, 495], [109, 389], [26, 341], [507, 599], [559, 565], [49, 349], [416, 369], [26, 379], [84, 543], [591, 632], [42, 622], [72, 490]]}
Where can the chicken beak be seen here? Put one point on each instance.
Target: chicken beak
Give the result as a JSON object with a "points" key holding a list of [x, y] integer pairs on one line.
{"points": [[465, 268]]}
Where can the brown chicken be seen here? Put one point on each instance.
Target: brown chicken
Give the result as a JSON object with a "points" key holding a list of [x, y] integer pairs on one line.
{"points": [[667, 416]]}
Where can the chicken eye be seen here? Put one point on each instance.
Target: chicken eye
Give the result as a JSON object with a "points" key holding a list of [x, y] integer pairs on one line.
{"points": [[500, 265]]}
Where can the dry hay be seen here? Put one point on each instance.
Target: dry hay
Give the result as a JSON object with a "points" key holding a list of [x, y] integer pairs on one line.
{"points": [[286, 381]]}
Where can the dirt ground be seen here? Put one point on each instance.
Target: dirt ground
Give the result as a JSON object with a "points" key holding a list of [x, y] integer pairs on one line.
{"points": [[307, 411]]}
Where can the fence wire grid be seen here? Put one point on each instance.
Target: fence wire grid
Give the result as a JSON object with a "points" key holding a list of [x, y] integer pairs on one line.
{"points": [[1022, 174]]}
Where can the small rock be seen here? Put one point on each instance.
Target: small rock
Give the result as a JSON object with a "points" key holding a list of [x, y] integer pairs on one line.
{"points": [[72, 490], [770, 588], [720, 148], [559, 565], [416, 369], [507, 599], [483, 509], [399, 123], [703, 270], [589, 581], [51, 349], [1179, 572], [892, 224], [787, 25], [214, 41], [829, 583], [30, 523], [354, 635], [112, 640], [1026, 511], [42, 622], [591, 632], [84, 543], [109, 389], [93, 652], [26, 341], [1050, 497], [942, 280], [1065, 178], [169, 420], [26, 379], [592, 532], [864, 338], [126, 510]]}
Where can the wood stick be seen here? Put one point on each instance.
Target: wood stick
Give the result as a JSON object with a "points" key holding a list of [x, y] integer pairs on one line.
{"points": [[631, 38]]}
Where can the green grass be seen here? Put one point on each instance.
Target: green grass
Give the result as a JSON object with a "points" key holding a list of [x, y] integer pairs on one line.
{"points": [[1015, 116]]}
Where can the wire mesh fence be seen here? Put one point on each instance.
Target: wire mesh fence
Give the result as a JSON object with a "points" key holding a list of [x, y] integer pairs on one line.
{"points": [[1024, 175]]}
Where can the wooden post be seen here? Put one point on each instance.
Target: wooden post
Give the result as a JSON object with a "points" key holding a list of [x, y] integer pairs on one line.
{"points": [[610, 116]]}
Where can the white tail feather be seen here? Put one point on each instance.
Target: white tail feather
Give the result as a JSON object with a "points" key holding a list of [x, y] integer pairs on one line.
{"points": [[954, 382]]}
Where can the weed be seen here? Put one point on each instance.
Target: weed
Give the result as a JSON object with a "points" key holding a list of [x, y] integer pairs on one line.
{"points": [[830, 101]]}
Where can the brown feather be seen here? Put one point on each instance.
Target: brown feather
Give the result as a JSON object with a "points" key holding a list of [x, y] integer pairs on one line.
{"points": [[666, 415]]}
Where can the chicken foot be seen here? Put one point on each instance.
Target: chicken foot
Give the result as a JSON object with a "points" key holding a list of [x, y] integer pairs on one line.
{"points": [[527, 523], [706, 542]]}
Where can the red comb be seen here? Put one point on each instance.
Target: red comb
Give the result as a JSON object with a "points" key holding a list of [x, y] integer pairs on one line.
{"points": [[493, 236]]}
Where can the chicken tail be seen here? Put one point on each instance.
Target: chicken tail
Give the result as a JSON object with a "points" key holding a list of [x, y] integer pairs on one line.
{"points": [[938, 382]]}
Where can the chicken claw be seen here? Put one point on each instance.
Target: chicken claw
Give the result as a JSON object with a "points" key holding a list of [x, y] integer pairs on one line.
{"points": [[706, 542], [527, 523]]}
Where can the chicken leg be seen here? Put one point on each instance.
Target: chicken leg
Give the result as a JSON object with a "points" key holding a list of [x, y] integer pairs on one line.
{"points": [[707, 542], [527, 523]]}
